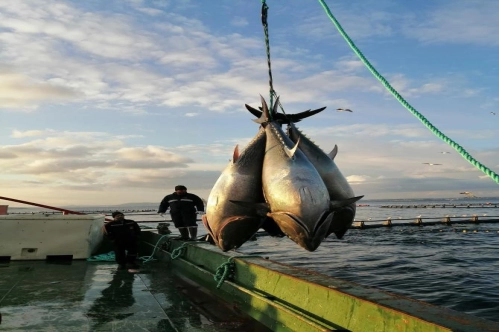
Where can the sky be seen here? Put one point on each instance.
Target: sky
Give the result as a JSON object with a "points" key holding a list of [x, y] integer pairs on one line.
{"points": [[117, 101]]}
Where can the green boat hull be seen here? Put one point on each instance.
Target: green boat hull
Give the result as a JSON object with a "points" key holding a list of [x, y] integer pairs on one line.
{"points": [[286, 298]]}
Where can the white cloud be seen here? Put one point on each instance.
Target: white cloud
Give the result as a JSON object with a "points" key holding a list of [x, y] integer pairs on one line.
{"points": [[461, 22], [239, 21], [19, 91]]}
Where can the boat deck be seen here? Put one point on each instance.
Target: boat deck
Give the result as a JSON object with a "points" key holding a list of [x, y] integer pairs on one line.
{"points": [[95, 296]]}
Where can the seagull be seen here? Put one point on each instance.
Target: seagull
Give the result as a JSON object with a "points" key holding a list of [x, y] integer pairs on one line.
{"points": [[344, 110], [431, 164], [493, 113], [444, 152]]}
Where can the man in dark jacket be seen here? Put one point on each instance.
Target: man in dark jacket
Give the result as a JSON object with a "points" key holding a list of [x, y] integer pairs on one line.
{"points": [[183, 206], [124, 234]]}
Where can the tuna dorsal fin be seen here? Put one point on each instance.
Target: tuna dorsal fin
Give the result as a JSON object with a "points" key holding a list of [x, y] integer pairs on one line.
{"points": [[344, 202], [291, 152], [265, 113], [333, 152], [235, 155]]}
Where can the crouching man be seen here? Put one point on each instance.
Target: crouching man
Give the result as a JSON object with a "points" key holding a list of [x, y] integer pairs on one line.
{"points": [[124, 234]]}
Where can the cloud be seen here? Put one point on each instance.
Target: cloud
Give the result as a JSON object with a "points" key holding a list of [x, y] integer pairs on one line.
{"points": [[458, 22], [239, 21], [30, 133], [20, 91]]}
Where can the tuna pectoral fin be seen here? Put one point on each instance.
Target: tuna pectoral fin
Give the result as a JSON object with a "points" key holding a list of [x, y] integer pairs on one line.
{"points": [[335, 205], [261, 208], [291, 152]]}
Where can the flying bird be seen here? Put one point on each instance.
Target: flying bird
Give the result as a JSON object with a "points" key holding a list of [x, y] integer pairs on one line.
{"points": [[431, 164], [344, 110], [493, 113]]}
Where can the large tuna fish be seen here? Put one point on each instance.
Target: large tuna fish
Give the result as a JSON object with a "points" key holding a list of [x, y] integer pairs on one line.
{"points": [[297, 196], [336, 184], [231, 224]]}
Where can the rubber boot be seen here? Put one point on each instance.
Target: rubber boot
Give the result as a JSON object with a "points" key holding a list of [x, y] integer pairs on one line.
{"points": [[193, 231], [184, 233]]}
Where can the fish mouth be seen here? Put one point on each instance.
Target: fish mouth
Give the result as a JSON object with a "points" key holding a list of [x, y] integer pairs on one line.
{"points": [[234, 231], [341, 222], [297, 231], [208, 228]]}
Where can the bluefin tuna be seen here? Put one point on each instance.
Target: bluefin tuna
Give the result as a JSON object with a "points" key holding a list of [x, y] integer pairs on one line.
{"points": [[297, 197], [230, 224], [337, 186]]}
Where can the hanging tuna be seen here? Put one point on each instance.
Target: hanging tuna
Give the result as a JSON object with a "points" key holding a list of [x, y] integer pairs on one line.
{"points": [[283, 183]]}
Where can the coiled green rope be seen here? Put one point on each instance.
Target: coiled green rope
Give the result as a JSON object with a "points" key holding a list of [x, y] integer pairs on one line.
{"points": [[110, 256], [176, 253], [225, 270], [411, 109]]}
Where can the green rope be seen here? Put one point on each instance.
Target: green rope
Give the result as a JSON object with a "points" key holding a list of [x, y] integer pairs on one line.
{"points": [[272, 92], [267, 47], [225, 270], [109, 257], [411, 109], [146, 259], [176, 253]]}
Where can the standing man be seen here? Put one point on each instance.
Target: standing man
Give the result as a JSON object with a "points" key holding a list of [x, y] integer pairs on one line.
{"points": [[124, 234], [183, 206]]}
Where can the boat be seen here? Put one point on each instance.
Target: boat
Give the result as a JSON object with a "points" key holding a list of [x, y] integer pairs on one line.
{"points": [[185, 286], [54, 283]]}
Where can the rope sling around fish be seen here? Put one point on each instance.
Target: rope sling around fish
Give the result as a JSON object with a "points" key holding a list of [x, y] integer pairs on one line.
{"points": [[411, 109]]}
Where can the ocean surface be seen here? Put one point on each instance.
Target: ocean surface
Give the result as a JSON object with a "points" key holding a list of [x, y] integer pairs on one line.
{"points": [[455, 266]]}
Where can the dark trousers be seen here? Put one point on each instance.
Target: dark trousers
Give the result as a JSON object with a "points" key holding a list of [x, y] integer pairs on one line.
{"points": [[125, 252]]}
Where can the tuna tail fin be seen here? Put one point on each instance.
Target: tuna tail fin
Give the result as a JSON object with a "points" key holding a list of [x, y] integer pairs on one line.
{"points": [[254, 111], [261, 208], [291, 152], [334, 205], [285, 118], [333, 152]]}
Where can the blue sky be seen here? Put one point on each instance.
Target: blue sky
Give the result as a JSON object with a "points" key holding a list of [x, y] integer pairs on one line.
{"points": [[110, 102]]}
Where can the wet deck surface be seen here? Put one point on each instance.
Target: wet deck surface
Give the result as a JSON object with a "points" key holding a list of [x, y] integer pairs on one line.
{"points": [[89, 296]]}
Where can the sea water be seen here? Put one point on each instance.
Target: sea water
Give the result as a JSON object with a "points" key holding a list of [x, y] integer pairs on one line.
{"points": [[454, 266]]}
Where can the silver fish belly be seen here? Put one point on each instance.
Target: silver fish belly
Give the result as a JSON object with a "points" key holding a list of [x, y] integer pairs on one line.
{"points": [[231, 224], [297, 196], [337, 186]]}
